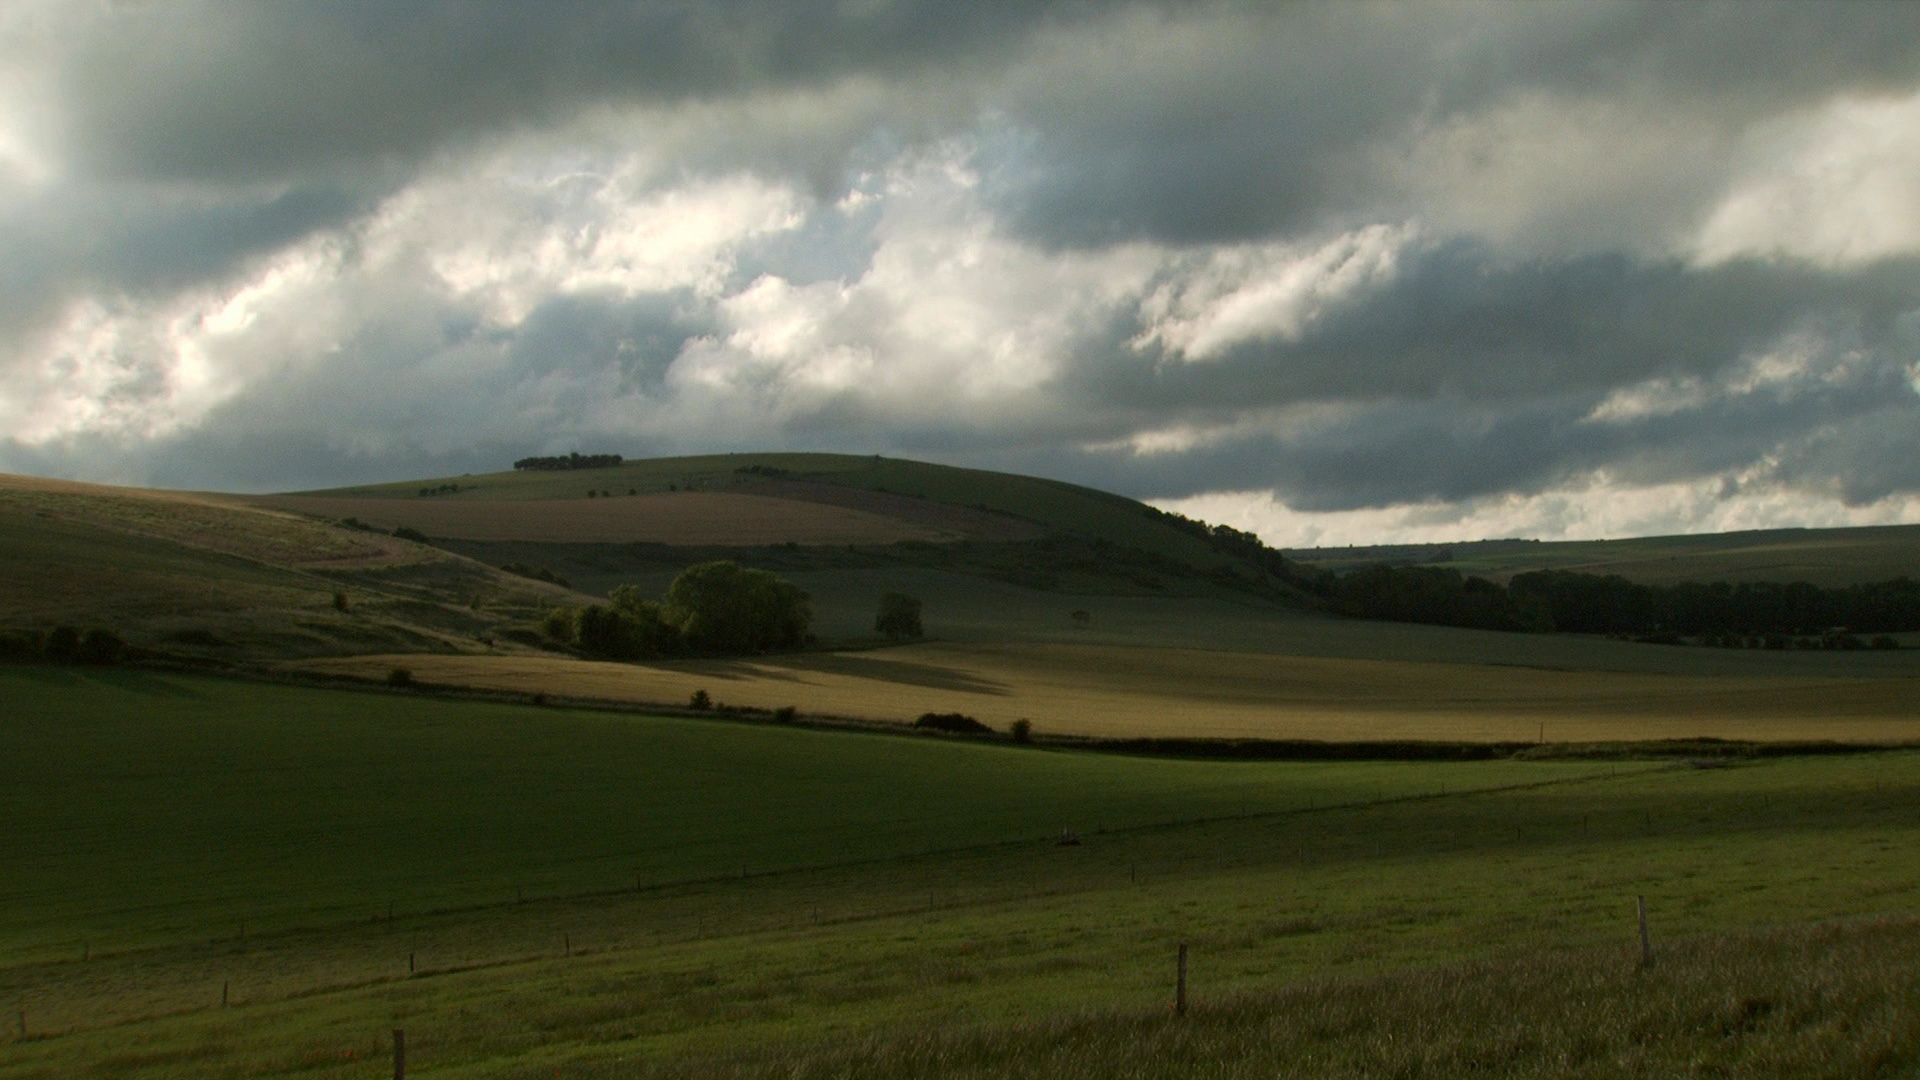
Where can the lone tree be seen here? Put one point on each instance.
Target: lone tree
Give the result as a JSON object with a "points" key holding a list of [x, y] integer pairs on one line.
{"points": [[899, 617]]}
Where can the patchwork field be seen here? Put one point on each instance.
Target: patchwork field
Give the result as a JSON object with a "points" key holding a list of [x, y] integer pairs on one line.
{"points": [[691, 517], [220, 879], [1126, 692]]}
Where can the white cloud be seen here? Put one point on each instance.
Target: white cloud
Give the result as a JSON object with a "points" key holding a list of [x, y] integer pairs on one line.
{"points": [[1265, 291], [1595, 507], [1834, 185]]}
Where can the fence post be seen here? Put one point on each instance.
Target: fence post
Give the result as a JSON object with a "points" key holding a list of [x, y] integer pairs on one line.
{"points": [[1180, 984], [224, 984], [1646, 943], [399, 1054]]}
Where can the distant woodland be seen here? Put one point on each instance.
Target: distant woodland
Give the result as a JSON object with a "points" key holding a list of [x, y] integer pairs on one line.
{"points": [[1752, 614], [570, 461]]}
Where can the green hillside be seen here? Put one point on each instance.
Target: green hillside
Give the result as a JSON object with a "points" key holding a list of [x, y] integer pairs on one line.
{"points": [[1059, 507], [201, 578]]}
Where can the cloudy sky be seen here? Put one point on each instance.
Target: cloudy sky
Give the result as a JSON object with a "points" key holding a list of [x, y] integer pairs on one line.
{"points": [[1339, 274]]}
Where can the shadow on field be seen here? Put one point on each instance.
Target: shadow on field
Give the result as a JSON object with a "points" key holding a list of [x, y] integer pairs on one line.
{"points": [[902, 672], [129, 681]]}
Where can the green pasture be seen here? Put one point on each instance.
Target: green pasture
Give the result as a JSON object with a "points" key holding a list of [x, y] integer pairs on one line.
{"points": [[144, 808], [584, 895]]}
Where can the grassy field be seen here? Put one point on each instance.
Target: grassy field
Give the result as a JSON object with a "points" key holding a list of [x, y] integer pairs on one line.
{"points": [[585, 895], [1131, 692]]}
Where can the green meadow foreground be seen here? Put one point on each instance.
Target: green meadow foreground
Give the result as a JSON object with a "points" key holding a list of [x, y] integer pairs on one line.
{"points": [[532, 892]]}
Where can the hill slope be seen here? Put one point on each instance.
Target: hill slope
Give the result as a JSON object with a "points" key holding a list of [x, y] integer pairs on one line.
{"points": [[212, 577]]}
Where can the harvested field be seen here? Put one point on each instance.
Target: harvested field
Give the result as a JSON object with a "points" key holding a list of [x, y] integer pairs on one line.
{"points": [[1131, 692], [688, 517], [974, 523]]}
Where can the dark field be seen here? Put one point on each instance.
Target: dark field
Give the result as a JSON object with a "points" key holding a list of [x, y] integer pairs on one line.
{"points": [[587, 895]]}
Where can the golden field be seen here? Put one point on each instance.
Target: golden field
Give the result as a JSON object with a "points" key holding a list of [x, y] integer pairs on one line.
{"points": [[1127, 692]]}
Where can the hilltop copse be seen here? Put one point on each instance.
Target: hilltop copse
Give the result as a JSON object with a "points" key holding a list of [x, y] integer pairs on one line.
{"points": [[574, 460]]}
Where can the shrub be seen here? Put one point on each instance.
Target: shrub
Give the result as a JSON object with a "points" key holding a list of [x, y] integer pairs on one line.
{"points": [[955, 723], [400, 677], [700, 701], [415, 535], [1022, 730], [101, 647], [558, 625], [899, 617], [63, 645], [1885, 642], [340, 601], [786, 714]]}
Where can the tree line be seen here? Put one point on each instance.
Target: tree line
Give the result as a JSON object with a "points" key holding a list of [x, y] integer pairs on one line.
{"points": [[714, 608], [1565, 600], [574, 460]]}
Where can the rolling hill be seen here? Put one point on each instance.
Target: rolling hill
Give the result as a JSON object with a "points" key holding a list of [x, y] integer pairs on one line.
{"points": [[1089, 613], [1825, 557]]}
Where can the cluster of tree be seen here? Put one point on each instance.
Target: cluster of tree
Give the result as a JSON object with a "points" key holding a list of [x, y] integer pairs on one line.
{"points": [[443, 489], [1431, 594], [69, 645], [1590, 603], [1251, 549], [713, 608], [1547, 600], [574, 460], [537, 573]]}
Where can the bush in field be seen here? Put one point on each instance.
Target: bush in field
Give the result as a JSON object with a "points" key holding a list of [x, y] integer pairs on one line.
{"points": [[101, 647], [956, 723], [400, 678], [62, 645], [700, 701], [786, 714], [723, 607], [415, 535], [1022, 730], [558, 625], [340, 602], [899, 617]]}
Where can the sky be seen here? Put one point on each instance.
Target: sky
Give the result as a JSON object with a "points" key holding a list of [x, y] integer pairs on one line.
{"points": [[1333, 273]]}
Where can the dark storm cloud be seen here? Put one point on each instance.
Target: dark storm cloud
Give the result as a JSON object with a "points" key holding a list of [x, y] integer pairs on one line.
{"points": [[1273, 118], [224, 91], [554, 222], [1458, 321], [1468, 375]]}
